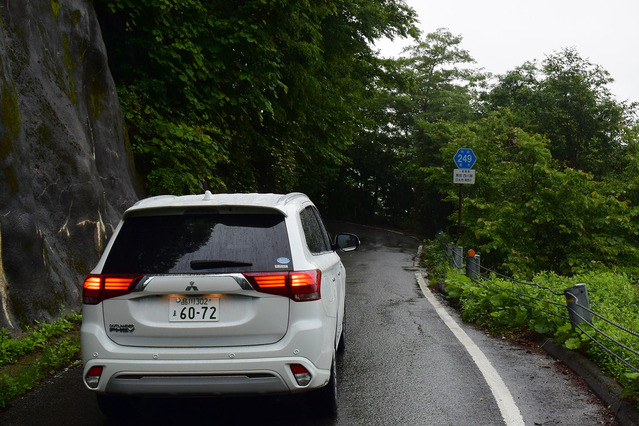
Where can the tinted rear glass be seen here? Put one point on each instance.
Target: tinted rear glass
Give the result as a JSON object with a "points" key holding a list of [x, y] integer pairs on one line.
{"points": [[200, 243]]}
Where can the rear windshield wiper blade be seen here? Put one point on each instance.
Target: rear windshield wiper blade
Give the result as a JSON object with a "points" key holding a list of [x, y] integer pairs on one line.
{"points": [[212, 264]]}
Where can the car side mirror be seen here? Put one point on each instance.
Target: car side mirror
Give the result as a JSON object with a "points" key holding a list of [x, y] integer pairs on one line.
{"points": [[346, 242]]}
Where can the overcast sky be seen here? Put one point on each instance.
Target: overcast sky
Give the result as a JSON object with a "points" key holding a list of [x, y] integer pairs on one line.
{"points": [[503, 34]]}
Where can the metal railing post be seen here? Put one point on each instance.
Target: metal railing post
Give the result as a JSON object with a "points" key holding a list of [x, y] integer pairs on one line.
{"points": [[472, 267], [458, 258], [576, 301]]}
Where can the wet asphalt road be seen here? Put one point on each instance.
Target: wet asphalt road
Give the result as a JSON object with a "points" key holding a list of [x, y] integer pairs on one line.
{"points": [[402, 366]]}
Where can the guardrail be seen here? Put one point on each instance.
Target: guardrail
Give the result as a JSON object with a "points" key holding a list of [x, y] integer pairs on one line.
{"points": [[577, 304]]}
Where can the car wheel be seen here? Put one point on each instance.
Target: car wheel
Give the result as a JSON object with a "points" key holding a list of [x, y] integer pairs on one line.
{"points": [[325, 398]]}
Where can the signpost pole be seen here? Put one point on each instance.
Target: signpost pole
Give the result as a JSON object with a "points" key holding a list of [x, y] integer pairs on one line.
{"points": [[459, 214]]}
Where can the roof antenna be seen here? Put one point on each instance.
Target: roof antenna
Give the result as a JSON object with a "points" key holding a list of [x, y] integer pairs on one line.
{"points": [[207, 195]]}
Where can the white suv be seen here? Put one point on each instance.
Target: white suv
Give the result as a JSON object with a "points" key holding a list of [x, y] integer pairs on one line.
{"points": [[222, 294]]}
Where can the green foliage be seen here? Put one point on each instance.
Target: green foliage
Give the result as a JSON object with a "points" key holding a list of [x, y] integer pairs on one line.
{"points": [[41, 352], [557, 157], [526, 213], [177, 157], [567, 100], [506, 306], [11, 349], [439, 82], [256, 95], [53, 357], [413, 96], [434, 258]]}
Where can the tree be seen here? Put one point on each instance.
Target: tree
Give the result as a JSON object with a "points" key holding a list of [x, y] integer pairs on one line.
{"points": [[440, 81], [567, 100], [443, 91], [416, 96], [251, 95], [526, 213]]}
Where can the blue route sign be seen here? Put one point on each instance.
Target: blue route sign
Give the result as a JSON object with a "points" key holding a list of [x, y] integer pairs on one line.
{"points": [[465, 158]]}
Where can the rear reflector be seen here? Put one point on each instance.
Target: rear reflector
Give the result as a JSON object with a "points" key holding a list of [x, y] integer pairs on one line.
{"points": [[93, 376], [301, 374], [101, 287], [301, 286]]}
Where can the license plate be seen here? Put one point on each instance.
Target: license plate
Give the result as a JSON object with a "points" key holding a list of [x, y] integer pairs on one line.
{"points": [[194, 309]]}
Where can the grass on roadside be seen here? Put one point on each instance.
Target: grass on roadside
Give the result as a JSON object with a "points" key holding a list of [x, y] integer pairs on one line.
{"points": [[43, 350]]}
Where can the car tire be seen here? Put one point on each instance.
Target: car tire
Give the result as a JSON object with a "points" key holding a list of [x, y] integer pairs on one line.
{"points": [[325, 398]]}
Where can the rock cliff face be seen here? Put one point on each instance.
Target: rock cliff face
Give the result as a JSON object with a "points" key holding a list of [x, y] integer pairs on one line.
{"points": [[66, 174]]}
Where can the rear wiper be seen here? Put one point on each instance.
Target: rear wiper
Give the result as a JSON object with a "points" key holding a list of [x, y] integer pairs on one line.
{"points": [[212, 264]]}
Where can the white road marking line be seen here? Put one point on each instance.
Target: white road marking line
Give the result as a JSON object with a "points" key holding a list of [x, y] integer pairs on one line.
{"points": [[509, 410]]}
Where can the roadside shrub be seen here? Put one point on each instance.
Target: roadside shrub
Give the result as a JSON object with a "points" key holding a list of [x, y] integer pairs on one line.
{"points": [[41, 352]]}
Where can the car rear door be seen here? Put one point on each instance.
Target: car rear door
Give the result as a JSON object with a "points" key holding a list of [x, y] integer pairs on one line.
{"points": [[193, 293]]}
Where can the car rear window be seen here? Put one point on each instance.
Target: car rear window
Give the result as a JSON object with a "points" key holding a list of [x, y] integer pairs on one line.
{"points": [[200, 243]]}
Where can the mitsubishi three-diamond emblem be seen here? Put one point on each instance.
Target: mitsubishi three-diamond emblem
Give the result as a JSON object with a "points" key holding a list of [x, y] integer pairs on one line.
{"points": [[191, 286]]}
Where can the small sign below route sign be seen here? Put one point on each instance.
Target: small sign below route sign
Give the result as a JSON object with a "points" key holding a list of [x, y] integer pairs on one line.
{"points": [[465, 158], [466, 176]]}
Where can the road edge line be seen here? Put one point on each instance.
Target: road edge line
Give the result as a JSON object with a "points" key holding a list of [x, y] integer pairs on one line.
{"points": [[507, 406]]}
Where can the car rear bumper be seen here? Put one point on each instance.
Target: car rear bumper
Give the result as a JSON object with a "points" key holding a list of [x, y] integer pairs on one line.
{"points": [[201, 377], [258, 369]]}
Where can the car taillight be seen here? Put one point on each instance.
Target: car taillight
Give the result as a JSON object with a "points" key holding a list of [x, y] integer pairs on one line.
{"points": [[101, 287], [300, 286]]}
